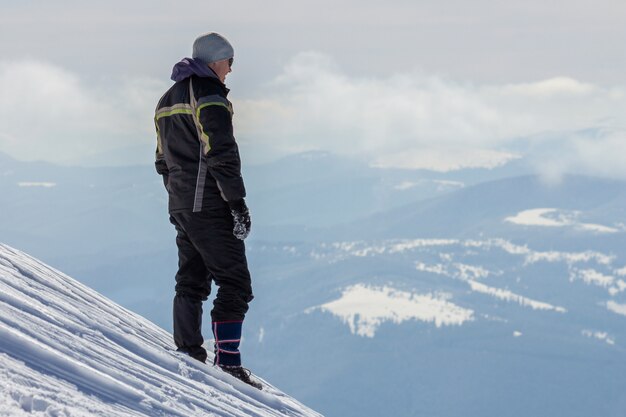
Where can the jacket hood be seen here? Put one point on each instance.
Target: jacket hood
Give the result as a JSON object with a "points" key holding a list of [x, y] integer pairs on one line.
{"points": [[188, 67]]}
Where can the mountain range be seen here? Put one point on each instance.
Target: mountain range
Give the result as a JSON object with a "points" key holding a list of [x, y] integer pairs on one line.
{"points": [[378, 291]]}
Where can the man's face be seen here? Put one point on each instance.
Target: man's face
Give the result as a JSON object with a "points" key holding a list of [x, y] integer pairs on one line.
{"points": [[222, 68]]}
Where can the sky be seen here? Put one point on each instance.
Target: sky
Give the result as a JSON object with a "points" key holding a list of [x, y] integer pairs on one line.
{"points": [[414, 84]]}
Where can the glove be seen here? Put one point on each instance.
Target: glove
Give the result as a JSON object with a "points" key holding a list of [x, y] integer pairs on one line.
{"points": [[241, 219]]}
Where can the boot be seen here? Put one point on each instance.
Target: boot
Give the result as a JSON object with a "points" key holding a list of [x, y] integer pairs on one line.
{"points": [[242, 374]]}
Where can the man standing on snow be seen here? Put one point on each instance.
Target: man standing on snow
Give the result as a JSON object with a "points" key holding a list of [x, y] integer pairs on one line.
{"points": [[198, 157]]}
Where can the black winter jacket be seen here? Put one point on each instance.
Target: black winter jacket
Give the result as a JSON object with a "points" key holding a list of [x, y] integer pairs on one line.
{"points": [[197, 154]]}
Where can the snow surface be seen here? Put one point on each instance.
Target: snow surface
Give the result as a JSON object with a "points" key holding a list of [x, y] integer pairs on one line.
{"points": [[65, 350], [616, 307], [364, 308], [599, 335], [552, 217], [37, 184]]}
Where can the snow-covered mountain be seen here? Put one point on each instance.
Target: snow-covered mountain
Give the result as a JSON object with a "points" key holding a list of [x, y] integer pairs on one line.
{"points": [[507, 298], [447, 327], [67, 351], [379, 292]]}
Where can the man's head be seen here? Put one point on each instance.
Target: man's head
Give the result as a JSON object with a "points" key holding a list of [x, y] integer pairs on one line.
{"points": [[215, 51]]}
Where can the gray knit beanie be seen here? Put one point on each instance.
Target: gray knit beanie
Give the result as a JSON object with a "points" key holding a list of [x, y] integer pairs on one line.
{"points": [[212, 47]]}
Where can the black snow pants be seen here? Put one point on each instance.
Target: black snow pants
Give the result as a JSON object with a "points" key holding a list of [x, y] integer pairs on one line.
{"points": [[207, 251]]}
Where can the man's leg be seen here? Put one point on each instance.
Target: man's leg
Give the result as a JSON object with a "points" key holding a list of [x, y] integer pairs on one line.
{"points": [[224, 257], [230, 307], [193, 285]]}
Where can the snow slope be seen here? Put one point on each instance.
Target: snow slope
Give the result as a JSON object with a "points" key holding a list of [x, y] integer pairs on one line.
{"points": [[67, 351]]}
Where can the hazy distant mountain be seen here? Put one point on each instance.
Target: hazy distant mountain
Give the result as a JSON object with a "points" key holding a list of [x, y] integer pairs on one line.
{"points": [[503, 298], [515, 312], [481, 209], [482, 292], [318, 189], [52, 210]]}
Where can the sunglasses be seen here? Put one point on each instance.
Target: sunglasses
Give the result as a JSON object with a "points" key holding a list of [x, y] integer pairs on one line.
{"points": [[230, 62]]}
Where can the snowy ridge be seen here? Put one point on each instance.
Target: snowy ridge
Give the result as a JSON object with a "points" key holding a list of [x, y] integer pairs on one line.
{"points": [[465, 272], [342, 250], [364, 307], [593, 277], [510, 296], [66, 350]]}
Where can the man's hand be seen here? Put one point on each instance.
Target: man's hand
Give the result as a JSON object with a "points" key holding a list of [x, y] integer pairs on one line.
{"points": [[241, 218]]}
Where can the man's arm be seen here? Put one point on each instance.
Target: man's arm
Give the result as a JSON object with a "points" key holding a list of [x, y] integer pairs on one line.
{"points": [[221, 150], [160, 164]]}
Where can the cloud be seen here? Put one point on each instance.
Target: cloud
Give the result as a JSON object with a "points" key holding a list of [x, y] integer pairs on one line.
{"points": [[444, 160], [593, 151], [549, 88], [50, 113], [417, 120], [312, 105], [408, 120]]}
